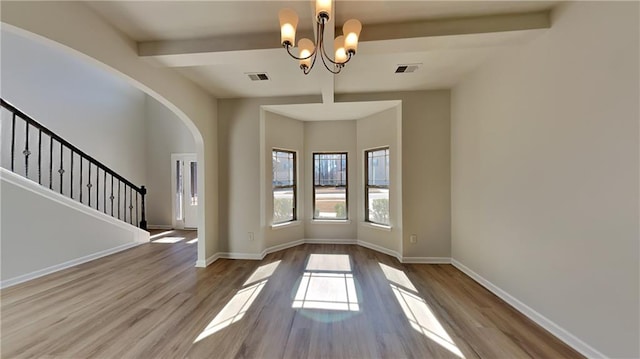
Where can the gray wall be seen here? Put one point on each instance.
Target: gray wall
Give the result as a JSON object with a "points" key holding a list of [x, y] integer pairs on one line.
{"points": [[545, 174], [426, 178], [88, 106], [166, 134], [338, 136], [425, 170]]}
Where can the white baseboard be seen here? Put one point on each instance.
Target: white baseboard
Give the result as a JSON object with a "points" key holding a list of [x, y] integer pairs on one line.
{"points": [[427, 260], [380, 249], [330, 241], [159, 226], [65, 265], [206, 262], [280, 247], [377, 248], [562, 334]]}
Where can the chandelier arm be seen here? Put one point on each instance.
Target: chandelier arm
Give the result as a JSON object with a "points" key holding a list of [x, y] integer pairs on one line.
{"points": [[288, 47], [324, 52], [327, 67]]}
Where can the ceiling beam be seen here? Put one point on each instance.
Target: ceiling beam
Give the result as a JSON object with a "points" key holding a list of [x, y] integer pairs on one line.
{"points": [[217, 50]]}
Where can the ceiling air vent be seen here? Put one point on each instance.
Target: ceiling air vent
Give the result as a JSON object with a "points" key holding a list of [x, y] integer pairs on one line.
{"points": [[258, 76], [407, 68]]}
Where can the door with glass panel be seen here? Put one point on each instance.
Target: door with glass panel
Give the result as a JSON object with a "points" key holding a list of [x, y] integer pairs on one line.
{"points": [[184, 184]]}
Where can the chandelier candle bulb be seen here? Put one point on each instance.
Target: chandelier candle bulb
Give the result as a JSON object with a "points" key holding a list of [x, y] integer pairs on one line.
{"points": [[288, 24], [323, 10], [351, 30], [341, 53], [306, 48]]}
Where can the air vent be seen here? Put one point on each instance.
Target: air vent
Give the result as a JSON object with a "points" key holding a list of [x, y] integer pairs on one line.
{"points": [[258, 76], [407, 68]]}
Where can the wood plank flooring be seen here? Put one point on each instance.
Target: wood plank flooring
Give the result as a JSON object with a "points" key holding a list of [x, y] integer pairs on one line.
{"points": [[151, 302]]}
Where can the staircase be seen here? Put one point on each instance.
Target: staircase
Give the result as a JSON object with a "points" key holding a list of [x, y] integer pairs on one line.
{"points": [[33, 151]]}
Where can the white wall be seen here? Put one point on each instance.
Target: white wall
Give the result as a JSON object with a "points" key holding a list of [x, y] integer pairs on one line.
{"points": [[43, 231], [545, 175], [66, 24], [425, 172], [288, 134], [96, 111], [239, 158], [166, 134], [375, 131], [337, 136], [426, 201]]}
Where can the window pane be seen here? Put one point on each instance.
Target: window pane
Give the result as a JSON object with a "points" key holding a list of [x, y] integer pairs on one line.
{"points": [[282, 205], [379, 205], [283, 168], [194, 183], [284, 185], [179, 202], [331, 203], [330, 169], [378, 167]]}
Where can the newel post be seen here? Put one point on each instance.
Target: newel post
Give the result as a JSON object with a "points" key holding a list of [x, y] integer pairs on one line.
{"points": [[143, 222]]}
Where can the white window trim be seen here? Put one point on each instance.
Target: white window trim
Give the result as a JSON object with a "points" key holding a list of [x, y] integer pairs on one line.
{"points": [[377, 226], [276, 226]]}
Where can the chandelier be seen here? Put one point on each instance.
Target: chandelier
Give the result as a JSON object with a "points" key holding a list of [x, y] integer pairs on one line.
{"points": [[345, 46]]}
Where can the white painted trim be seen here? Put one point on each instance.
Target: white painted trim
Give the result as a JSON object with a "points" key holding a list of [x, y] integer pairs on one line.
{"points": [[427, 260], [561, 333], [206, 262], [65, 265], [284, 225], [330, 221], [159, 226], [236, 255], [377, 226], [280, 247], [380, 249], [31, 186], [331, 241]]}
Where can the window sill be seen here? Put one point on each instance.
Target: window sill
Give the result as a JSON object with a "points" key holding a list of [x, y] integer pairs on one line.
{"points": [[330, 221], [381, 227], [285, 225]]}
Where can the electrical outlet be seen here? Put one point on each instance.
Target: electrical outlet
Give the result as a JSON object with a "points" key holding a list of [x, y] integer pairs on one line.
{"points": [[413, 238], [250, 236]]}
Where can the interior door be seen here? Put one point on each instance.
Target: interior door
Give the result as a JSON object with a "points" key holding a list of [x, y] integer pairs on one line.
{"points": [[185, 190]]}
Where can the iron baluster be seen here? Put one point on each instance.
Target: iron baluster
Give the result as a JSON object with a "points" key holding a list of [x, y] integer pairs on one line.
{"points": [[111, 197], [13, 139], [40, 157], [97, 186], [118, 199], [89, 186], [81, 173], [51, 163], [104, 193], [26, 151], [71, 177], [61, 170]]}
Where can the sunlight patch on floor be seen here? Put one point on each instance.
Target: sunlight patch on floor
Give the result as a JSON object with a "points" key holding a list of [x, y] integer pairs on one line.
{"points": [[168, 240], [195, 240], [329, 291], [327, 284], [417, 311], [235, 309], [161, 234]]}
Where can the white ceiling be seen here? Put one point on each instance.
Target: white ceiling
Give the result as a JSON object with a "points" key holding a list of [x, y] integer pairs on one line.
{"points": [[339, 111], [187, 36]]}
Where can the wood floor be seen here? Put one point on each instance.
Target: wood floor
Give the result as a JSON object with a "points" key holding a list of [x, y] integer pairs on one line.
{"points": [[151, 302]]}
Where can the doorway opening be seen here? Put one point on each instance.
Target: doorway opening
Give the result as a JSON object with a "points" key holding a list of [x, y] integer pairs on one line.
{"points": [[184, 184]]}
